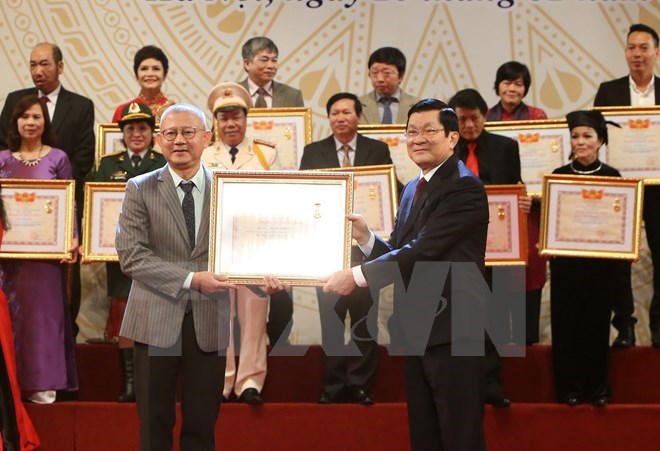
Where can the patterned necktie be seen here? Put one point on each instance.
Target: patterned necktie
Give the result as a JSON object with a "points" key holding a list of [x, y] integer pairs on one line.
{"points": [[233, 151], [387, 111], [136, 160], [418, 189], [261, 99], [471, 160], [346, 161], [188, 207]]}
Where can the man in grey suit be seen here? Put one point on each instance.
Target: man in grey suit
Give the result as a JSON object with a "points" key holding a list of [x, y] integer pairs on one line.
{"points": [[260, 62], [387, 103], [178, 311]]}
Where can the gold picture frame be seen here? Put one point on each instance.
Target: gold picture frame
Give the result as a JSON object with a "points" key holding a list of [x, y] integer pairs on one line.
{"points": [[375, 196], [544, 145], [394, 136], [41, 215], [633, 149], [506, 244], [591, 216], [100, 217], [289, 224]]}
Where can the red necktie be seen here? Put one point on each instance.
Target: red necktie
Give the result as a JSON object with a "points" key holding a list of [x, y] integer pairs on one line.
{"points": [[418, 189], [471, 160]]}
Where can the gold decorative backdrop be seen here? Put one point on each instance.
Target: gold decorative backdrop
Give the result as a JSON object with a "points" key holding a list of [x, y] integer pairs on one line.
{"points": [[569, 45]]}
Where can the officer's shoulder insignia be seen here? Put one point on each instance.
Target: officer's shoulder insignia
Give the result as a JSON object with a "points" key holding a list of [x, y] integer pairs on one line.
{"points": [[113, 154], [264, 142]]}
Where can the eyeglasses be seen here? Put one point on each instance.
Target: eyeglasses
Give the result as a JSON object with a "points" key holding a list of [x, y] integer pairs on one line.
{"points": [[385, 73], [171, 133], [427, 132]]}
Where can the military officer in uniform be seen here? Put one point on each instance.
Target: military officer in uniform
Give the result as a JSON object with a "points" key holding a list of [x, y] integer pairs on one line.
{"points": [[233, 149], [137, 124]]}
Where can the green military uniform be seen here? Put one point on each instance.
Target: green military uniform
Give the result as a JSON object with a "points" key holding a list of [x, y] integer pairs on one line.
{"points": [[118, 167]]}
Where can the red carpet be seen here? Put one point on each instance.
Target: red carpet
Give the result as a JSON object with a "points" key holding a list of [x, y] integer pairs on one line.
{"points": [[303, 427], [291, 420]]}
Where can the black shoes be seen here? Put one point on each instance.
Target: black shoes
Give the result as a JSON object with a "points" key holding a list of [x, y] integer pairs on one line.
{"points": [[362, 396], [251, 396], [498, 401], [600, 401], [358, 395], [572, 401], [626, 338]]}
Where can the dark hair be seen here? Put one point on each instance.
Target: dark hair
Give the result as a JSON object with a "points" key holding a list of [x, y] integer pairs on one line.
{"points": [[255, 45], [14, 138], [513, 70], [389, 55], [468, 98], [344, 95], [150, 51], [640, 27], [3, 214], [447, 116]]}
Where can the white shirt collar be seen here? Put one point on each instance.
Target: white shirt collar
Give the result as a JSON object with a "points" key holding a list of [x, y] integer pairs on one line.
{"points": [[429, 174], [198, 179], [352, 143], [396, 95], [253, 88]]}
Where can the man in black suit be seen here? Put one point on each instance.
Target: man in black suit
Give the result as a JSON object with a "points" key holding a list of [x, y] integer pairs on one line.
{"points": [[442, 219], [640, 88], [72, 118], [346, 377], [496, 161]]}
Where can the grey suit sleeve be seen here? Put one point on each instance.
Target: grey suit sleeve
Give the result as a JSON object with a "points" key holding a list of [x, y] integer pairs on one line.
{"points": [[136, 254]]}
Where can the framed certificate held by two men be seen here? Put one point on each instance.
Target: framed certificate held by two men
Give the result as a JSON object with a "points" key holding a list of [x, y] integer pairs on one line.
{"points": [[288, 224]]}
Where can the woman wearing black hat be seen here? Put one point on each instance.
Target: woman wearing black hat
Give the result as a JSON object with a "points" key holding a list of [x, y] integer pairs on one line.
{"points": [[582, 289]]}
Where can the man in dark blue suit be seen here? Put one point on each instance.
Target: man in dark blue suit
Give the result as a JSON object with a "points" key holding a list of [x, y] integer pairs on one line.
{"points": [[442, 220], [640, 88], [346, 377]]}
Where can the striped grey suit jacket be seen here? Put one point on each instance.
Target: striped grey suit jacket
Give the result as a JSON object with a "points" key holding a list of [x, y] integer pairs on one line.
{"points": [[154, 251]]}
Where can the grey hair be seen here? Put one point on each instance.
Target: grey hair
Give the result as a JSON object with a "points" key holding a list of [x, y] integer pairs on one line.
{"points": [[255, 45], [185, 108]]}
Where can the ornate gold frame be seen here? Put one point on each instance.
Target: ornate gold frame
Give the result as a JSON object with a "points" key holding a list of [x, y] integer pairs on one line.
{"points": [[68, 186], [518, 233], [91, 222], [295, 182]]}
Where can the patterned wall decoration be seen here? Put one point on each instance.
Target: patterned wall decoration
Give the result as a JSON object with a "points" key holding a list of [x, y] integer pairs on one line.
{"points": [[569, 45]]}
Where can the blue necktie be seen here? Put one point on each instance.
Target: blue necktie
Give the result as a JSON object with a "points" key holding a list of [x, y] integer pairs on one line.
{"points": [[387, 111]]}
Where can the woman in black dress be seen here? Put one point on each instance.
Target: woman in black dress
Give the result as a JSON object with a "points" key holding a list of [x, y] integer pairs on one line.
{"points": [[582, 289]]}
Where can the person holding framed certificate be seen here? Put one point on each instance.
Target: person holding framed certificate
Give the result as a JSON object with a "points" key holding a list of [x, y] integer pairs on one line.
{"points": [[583, 290], [443, 219], [16, 429], [512, 83], [137, 124], [45, 360], [229, 102], [640, 88]]}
